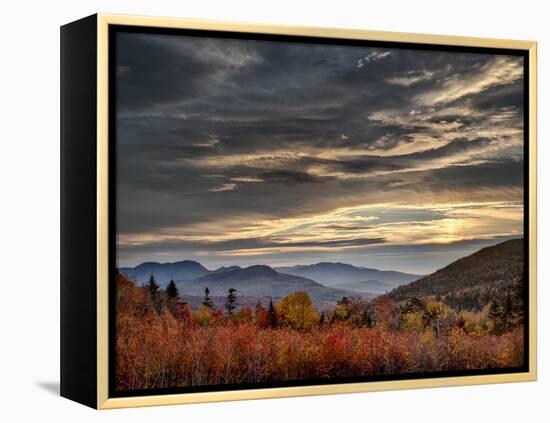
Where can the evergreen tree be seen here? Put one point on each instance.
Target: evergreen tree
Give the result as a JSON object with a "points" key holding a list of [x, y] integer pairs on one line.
{"points": [[413, 305], [207, 302], [370, 322], [272, 316], [172, 290], [366, 319], [152, 286], [231, 301], [154, 294], [173, 302], [322, 319], [345, 301]]}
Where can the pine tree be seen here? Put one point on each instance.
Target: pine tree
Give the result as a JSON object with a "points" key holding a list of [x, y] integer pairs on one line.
{"points": [[231, 301], [413, 305], [154, 293], [207, 302], [172, 290], [173, 301], [272, 316], [322, 319], [370, 322], [152, 286], [366, 319], [345, 301]]}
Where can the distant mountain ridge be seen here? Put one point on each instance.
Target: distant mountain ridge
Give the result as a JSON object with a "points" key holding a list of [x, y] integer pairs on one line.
{"points": [[323, 281], [347, 276], [165, 272], [260, 281], [255, 281]]}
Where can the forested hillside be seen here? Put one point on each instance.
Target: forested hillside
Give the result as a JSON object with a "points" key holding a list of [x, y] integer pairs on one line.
{"points": [[471, 283]]}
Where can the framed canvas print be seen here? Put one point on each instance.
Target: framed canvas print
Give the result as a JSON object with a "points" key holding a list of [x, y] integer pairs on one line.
{"points": [[253, 211]]}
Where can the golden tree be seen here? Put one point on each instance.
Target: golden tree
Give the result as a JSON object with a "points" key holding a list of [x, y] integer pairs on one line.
{"points": [[297, 311]]}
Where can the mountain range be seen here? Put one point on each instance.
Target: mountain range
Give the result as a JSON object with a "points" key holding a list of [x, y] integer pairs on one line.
{"points": [[470, 282], [165, 272], [260, 281], [255, 281], [346, 276], [322, 281]]}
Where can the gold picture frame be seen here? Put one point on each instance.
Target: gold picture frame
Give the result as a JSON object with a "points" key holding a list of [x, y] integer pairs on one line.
{"points": [[101, 23]]}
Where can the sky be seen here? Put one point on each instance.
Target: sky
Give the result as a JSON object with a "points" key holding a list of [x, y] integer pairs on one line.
{"points": [[241, 152]]}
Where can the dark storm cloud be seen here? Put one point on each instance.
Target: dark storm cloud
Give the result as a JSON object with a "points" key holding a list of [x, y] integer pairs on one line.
{"points": [[288, 176], [147, 72], [223, 132], [288, 93], [248, 244], [497, 174]]}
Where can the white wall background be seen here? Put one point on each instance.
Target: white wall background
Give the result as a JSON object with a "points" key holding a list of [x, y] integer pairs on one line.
{"points": [[29, 210]]}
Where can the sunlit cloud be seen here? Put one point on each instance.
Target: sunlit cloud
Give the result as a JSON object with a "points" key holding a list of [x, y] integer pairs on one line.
{"points": [[409, 78], [224, 187], [357, 227], [499, 71], [245, 179]]}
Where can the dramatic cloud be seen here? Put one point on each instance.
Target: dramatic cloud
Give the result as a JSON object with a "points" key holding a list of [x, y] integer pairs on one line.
{"points": [[241, 151]]}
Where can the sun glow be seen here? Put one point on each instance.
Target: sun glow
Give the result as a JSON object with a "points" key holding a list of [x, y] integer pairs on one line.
{"points": [[347, 228]]}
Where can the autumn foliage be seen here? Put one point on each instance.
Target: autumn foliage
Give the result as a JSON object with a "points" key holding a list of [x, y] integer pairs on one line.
{"points": [[161, 342]]}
